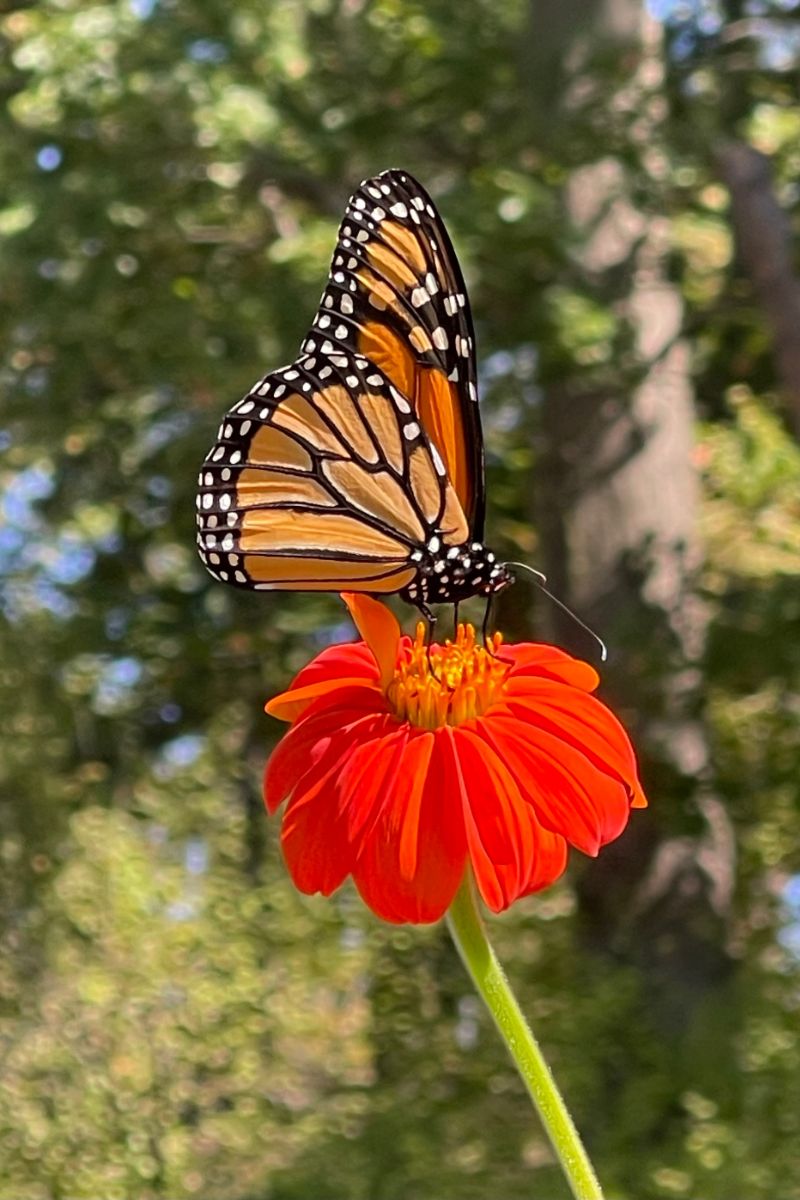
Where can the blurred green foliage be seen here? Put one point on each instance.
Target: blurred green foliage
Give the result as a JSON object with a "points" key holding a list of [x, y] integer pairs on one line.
{"points": [[174, 1020]]}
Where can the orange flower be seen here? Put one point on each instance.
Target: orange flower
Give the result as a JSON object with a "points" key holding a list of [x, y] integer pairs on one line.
{"points": [[400, 775]]}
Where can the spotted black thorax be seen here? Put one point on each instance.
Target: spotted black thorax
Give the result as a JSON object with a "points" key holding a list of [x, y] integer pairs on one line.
{"points": [[449, 574]]}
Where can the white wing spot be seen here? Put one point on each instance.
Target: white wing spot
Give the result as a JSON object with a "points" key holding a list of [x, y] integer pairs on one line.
{"points": [[225, 501], [419, 297], [411, 431], [400, 400], [245, 427], [347, 304], [340, 332], [439, 338], [399, 210], [378, 214]]}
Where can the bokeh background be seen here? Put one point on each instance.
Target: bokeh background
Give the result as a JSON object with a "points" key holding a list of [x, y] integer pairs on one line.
{"points": [[621, 184]]}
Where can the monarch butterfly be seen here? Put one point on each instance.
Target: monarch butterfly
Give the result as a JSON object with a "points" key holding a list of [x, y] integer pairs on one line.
{"points": [[359, 467]]}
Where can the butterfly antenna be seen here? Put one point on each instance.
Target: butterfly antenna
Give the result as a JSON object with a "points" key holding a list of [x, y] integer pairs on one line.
{"points": [[541, 581]]}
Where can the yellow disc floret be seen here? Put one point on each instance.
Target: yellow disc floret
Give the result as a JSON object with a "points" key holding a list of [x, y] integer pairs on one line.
{"points": [[446, 685]]}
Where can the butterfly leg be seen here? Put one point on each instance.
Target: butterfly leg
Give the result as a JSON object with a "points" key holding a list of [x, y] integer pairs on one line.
{"points": [[485, 628], [431, 620], [455, 620], [486, 619]]}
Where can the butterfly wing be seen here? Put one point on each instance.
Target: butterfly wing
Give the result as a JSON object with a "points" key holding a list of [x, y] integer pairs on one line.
{"points": [[321, 479], [337, 471], [397, 296]]}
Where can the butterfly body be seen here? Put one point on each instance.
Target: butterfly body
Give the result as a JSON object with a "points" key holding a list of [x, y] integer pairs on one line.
{"points": [[359, 467]]}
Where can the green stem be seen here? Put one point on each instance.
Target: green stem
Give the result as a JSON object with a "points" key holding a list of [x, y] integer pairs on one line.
{"points": [[468, 933]]}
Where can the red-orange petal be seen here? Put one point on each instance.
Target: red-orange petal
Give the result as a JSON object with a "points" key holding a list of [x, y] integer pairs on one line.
{"points": [[380, 630], [314, 835], [582, 721], [288, 706], [550, 857], [441, 850], [334, 667], [368, 775], [499, 833], [532, 658], [414, 767], [570, 796], [307, 740]]}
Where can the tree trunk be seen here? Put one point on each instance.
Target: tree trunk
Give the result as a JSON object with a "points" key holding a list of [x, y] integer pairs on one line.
{"points": [[617, 513], [764, 246]]}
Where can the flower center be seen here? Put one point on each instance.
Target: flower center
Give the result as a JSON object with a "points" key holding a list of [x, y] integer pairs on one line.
{"points": [[445, 685]]}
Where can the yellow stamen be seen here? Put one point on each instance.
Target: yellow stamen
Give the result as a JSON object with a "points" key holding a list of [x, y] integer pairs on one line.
{"points": [[447, 684]]}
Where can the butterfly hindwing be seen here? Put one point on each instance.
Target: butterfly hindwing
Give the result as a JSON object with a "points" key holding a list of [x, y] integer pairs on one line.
{"points": [[321, 478]]}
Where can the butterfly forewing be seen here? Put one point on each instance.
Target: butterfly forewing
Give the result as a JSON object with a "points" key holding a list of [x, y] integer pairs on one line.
{"points": [[396, 295]]}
